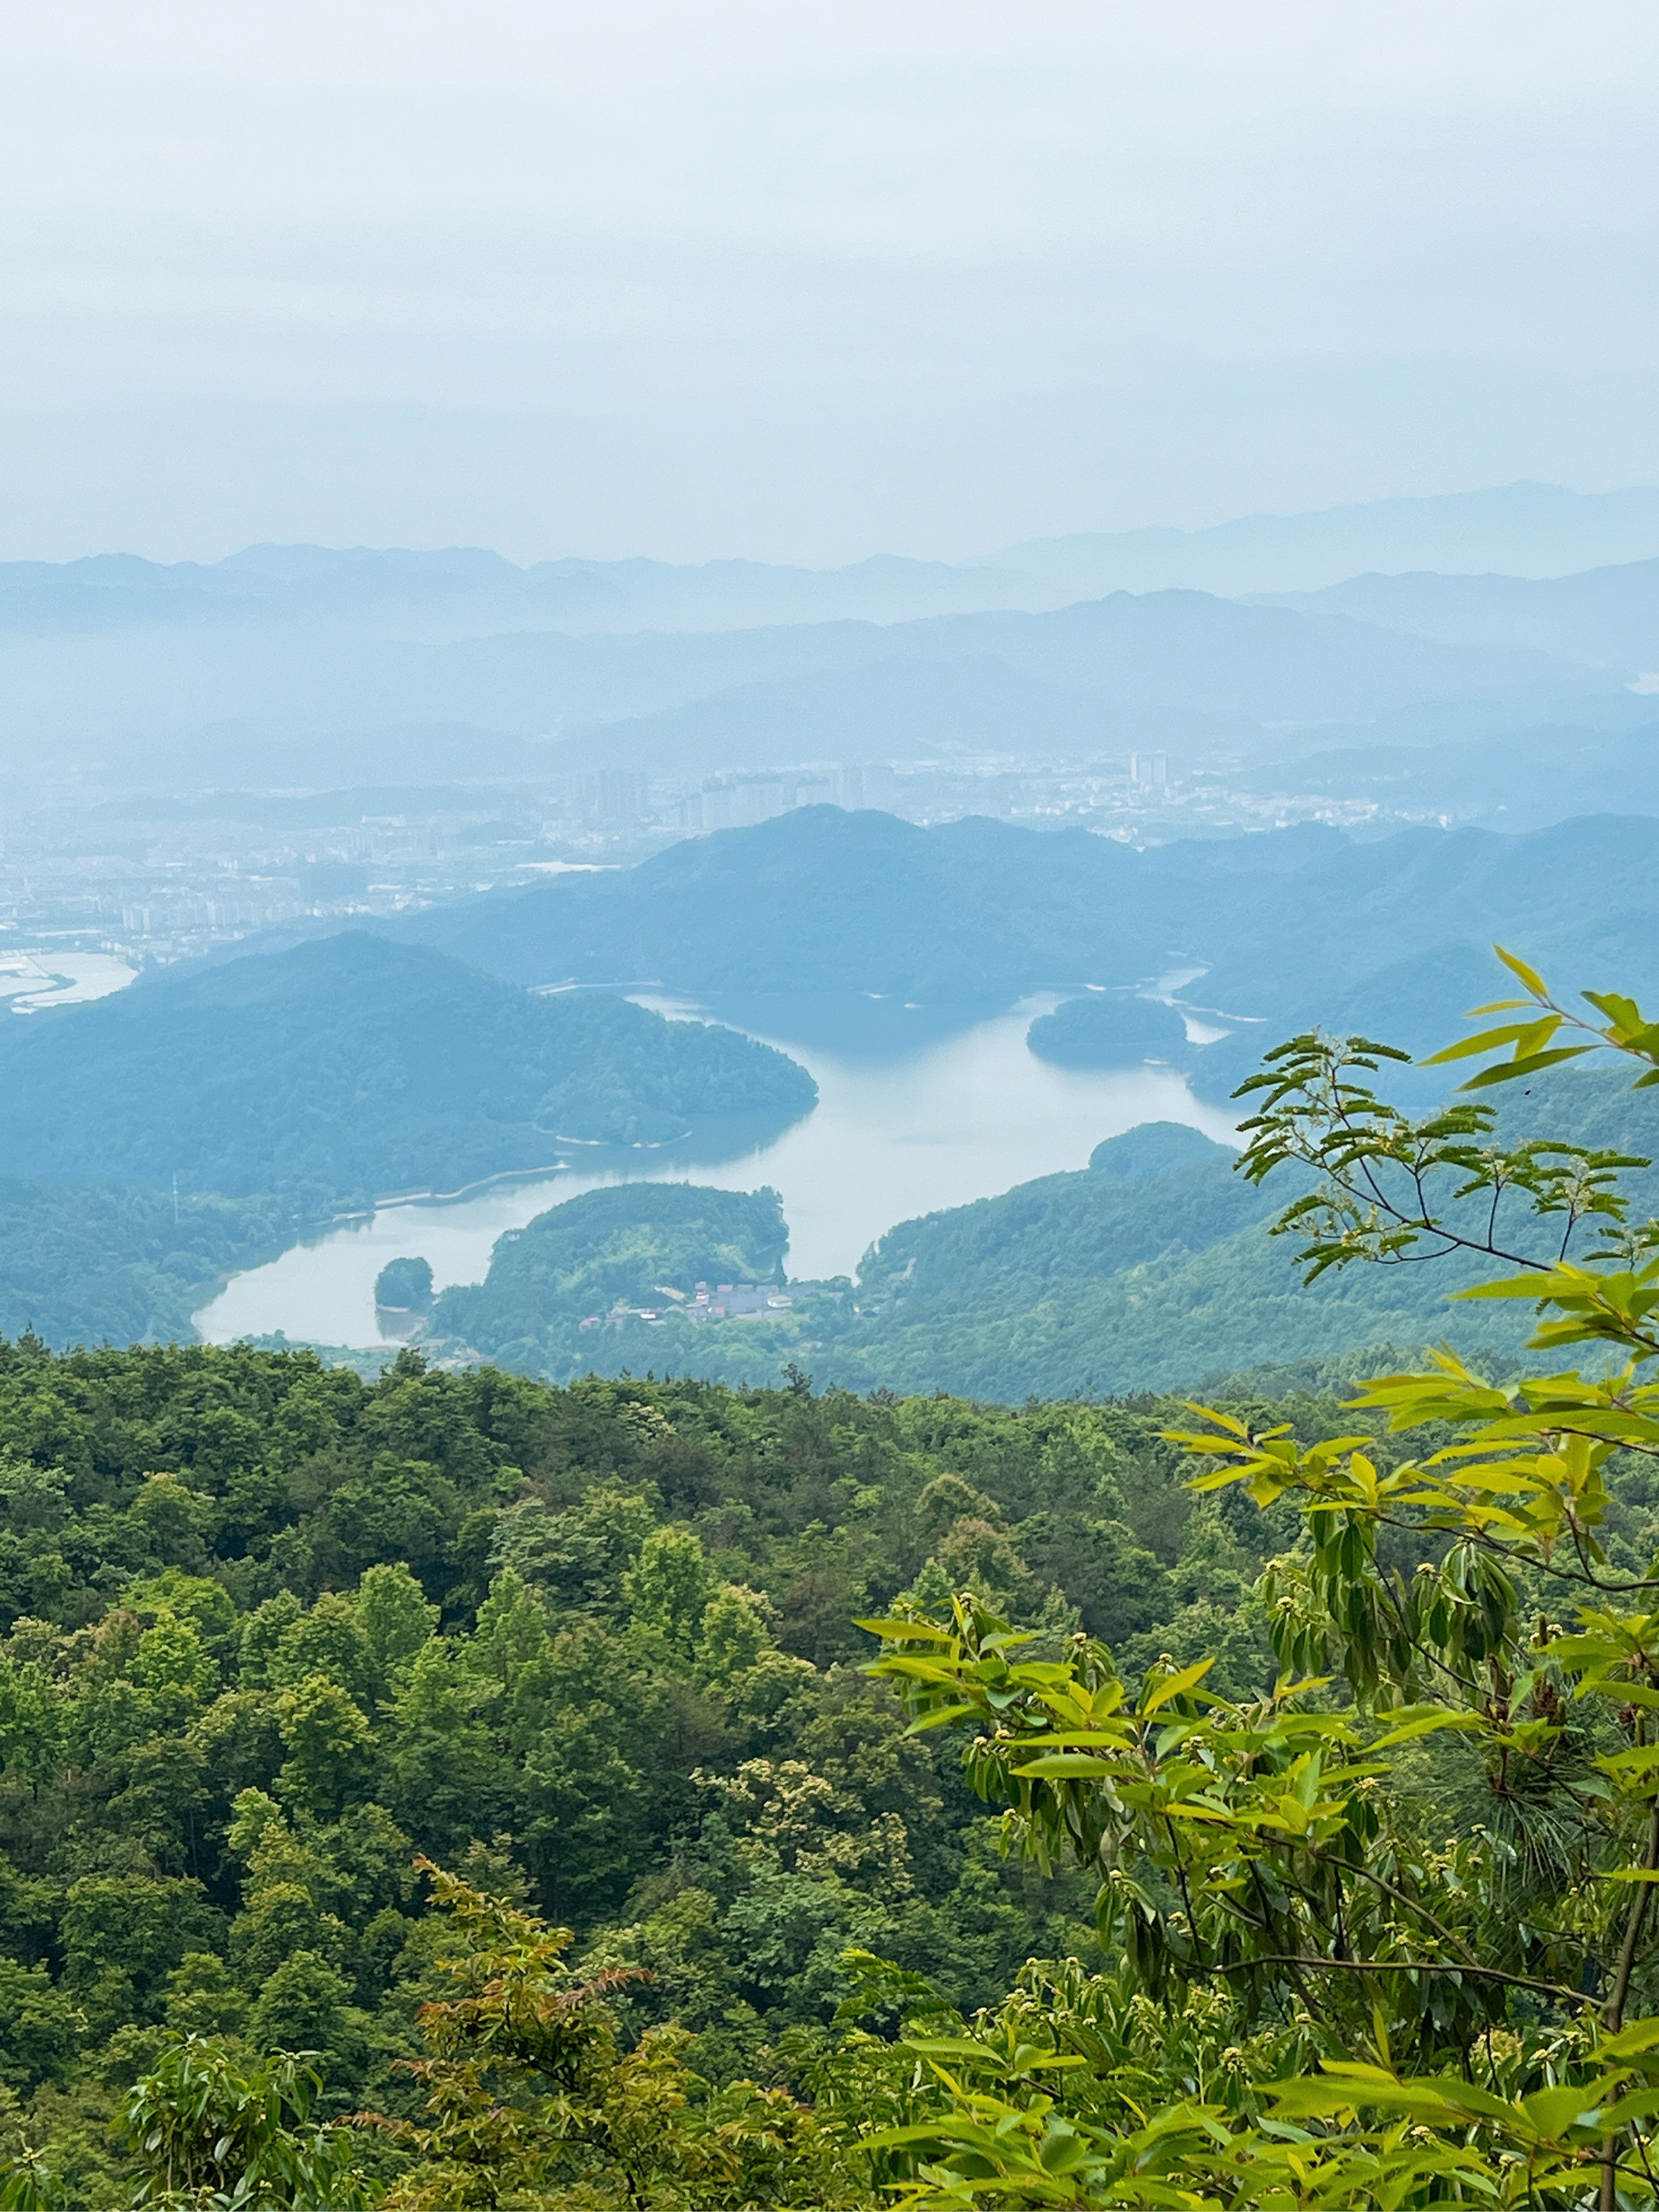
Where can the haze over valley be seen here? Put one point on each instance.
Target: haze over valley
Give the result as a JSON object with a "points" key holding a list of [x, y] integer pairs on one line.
{"points": [[828, 1107], [336, 879]]}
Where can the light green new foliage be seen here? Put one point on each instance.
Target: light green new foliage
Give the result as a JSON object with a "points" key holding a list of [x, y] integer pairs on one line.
{"points": [[395, 1617], [731, 1638], [533, 2104], [1462, 2007], [670, 1584], [328, 1741], [211, 2129], [172, 1666]]}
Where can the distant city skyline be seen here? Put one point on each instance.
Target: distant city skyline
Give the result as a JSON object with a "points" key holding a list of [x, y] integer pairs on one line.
{"points": [[803, 286]]}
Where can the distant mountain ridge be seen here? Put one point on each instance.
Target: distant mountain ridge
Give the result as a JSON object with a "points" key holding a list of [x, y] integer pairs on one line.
{"points": [[1173, 652], [464, 590], [1520, 529], [278, 657], [1608, 616], [1060, 683], [889, 709], [821, 900]]}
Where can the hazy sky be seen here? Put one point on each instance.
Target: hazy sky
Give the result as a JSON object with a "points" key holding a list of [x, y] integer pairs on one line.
{"points": [[689, 279]]}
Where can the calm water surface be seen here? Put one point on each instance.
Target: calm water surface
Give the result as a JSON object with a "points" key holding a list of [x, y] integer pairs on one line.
{"points": [[897, 1132]]}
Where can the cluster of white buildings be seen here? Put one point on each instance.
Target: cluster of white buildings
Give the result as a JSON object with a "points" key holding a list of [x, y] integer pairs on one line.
{"points": [[721, 1302]]}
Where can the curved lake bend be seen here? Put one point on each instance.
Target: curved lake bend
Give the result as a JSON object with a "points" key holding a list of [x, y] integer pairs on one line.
{"points": [[917, 1125]]}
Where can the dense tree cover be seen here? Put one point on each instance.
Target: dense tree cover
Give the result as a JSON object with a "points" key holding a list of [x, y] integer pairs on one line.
{"points": [[1153, 1266], [91, 1262], [636, 1245], [532, 2096], [271, 1631], [1289, 923], [349, 1067], [1109, 1030], [404, 1285]]}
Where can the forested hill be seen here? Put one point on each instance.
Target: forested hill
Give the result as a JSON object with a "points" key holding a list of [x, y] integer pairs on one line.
{"points": [[1151, 1267], [1103, 1282], [352, 1066], [608, 1248], [821, 900], [1156, 1264], [266, 1633]]}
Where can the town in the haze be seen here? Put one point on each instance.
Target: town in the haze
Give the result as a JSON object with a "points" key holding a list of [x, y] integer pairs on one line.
{"points": [[828, 1107], [150, 877]]}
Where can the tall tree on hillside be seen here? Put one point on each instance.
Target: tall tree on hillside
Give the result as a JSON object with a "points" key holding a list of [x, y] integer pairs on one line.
{"points": [[211, 2127], [1398, 1904], [533, 2097]]}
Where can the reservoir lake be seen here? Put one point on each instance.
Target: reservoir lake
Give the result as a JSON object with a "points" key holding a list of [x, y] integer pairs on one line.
{"points": [[908, 1119]]}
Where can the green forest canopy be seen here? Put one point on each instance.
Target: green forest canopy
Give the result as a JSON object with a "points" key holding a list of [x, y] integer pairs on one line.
{"points": [[1148, 1269], [270, 1631], [351, 1068], [280, 1644]]}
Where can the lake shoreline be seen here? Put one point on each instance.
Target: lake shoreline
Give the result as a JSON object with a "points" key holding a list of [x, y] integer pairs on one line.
{"points": [[945, 1120]]}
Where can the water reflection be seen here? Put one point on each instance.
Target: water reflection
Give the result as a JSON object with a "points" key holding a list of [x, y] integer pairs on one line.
{"points": [[862, 1026], [908, 1120]]}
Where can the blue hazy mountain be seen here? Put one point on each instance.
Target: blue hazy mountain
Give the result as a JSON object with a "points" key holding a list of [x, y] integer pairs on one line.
{"points": [[1608, 616], [1521, 529], [1523, 779], [824, 900], [212, 670], [892, 709], [241, 697], [1062, 682], [351, 1066]]}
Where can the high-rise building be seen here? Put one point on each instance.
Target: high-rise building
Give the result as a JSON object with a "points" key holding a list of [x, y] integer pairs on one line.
{"points": [[624, 794], [865, 784], [745, 801]]}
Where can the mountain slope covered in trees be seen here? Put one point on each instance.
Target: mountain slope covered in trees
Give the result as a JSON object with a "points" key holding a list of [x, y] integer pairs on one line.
{"points": [[823, 901], [1153, 1266], [352, 1066], [265, 1633]]}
